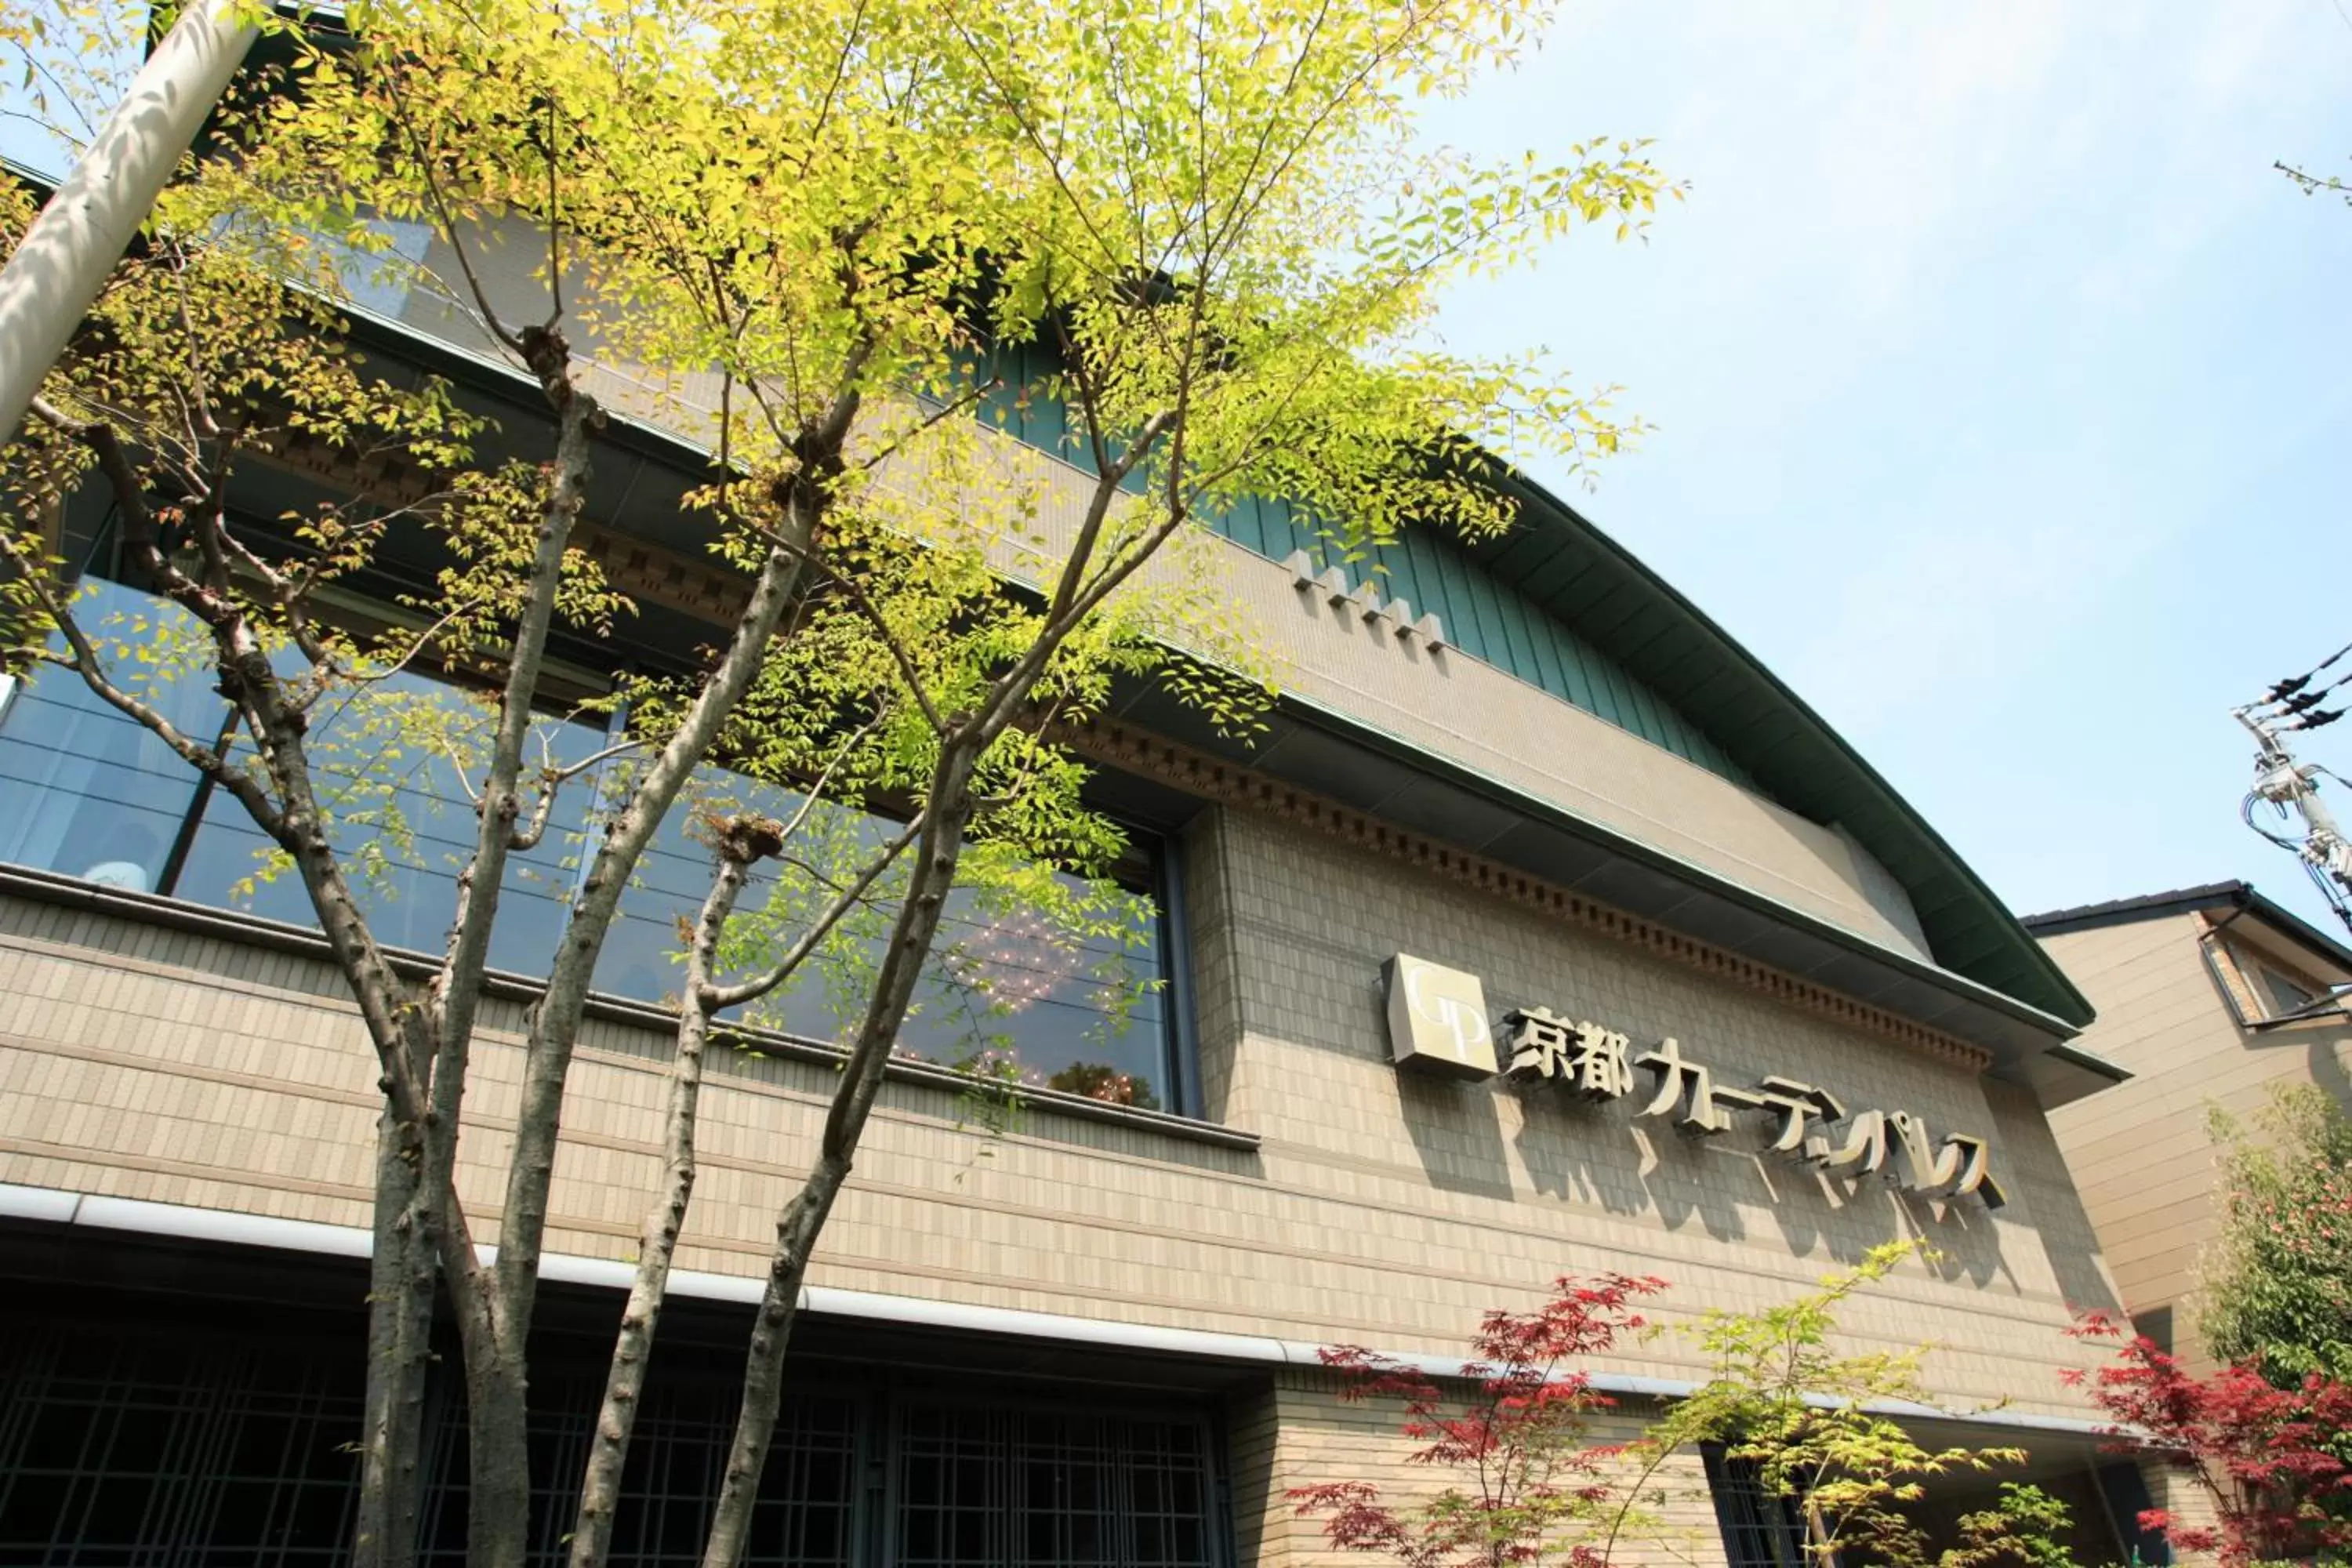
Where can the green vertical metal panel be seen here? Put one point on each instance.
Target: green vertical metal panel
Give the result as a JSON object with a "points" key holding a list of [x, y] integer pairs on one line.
{"points": [[1488, 618], [1486, 615]]}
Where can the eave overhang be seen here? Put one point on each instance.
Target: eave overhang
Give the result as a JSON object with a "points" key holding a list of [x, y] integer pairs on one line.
{"points": [[2312, 949]]}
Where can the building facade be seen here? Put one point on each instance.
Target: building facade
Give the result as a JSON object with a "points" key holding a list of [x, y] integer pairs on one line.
{"points": [[2212, 997], [1541, 932]]}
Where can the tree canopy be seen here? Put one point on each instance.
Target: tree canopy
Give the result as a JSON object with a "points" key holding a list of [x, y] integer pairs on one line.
{"points": [[2277, 1282]]}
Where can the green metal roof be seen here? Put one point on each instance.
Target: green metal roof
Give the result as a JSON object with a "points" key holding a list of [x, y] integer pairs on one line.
{"points": [[1595, 585]]}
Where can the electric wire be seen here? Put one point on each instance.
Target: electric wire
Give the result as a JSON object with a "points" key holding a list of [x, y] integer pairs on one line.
{"points": [[2330, 890], [2246, 815]]}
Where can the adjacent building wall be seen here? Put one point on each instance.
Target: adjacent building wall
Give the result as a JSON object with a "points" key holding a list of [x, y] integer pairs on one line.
{"points": [[2141, 1154]]}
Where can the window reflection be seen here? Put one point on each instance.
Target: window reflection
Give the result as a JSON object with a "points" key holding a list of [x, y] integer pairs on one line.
{"points": [[1004, 989], [88, 792], [85, 791], [406, 825]]}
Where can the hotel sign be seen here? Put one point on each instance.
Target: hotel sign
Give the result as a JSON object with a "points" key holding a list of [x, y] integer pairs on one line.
{"points": [[1438, 1021]]}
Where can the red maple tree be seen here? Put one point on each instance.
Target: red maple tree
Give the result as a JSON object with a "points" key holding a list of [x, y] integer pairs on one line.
{"points": [[1520, 1437], [2263, 1454]]}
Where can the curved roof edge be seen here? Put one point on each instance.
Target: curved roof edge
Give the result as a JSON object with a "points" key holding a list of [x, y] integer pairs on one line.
{"points": [[1571, 566], [1581, 574]]}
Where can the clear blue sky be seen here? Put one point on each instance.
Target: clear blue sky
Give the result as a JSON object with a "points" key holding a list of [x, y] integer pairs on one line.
{"points": [[2004, 390]]}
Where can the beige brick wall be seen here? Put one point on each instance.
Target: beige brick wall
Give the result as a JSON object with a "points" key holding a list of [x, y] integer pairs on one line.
{"points": [[2140, 1152], [1503, 728], [2179, 1494], [1456, 1198], [1319, 1439]]}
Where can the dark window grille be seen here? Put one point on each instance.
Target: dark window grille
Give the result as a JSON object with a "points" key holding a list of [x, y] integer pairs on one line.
{"points": [[804, 1515], [143, 1451], [124, 1445], [1041, 1489], [1759, 1529]]}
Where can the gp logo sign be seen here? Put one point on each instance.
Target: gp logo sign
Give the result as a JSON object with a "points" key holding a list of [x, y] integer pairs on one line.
{"points": [[1437, 1019]]}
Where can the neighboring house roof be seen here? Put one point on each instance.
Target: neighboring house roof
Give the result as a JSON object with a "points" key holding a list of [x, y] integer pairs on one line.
{"points": [[2236, 895]]}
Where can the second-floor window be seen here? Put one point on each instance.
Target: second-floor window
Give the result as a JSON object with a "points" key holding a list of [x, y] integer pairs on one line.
{"points": [[88, 792]]}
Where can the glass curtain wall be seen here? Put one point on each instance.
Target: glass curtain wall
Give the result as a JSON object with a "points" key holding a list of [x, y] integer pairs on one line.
{"points": [[88, 793]]}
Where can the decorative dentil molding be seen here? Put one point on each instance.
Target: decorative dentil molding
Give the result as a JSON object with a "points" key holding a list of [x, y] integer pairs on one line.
{"points": [[1229, 784]]}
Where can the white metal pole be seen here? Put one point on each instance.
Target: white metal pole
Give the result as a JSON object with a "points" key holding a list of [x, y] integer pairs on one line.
{"points": [[88, 224]]}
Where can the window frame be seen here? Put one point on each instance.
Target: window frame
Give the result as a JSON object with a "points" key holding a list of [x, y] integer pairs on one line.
{"points": [[1741, 1514], [2249, 979]]}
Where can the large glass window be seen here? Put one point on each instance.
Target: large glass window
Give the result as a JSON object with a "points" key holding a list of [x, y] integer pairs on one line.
{"points": [[85, 791], [406, 825], [1083, 1013], [88, 792]]}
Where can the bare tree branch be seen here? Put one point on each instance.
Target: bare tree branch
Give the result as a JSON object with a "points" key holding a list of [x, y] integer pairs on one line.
{"points": [[431, 181], [1106, 491], [938, 416], [551, 781]]}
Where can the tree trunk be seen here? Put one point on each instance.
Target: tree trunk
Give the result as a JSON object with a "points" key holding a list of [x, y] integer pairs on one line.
{"points": [[555, 1024], [497, 1435], [400, 1329], [608, 1443], [763, 1370], [940, 847]]}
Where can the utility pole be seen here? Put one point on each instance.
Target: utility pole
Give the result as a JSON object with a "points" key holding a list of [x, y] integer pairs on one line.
{"points": [[83, 231], [2293, 786]]}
